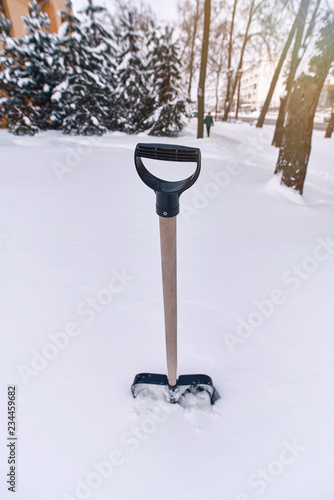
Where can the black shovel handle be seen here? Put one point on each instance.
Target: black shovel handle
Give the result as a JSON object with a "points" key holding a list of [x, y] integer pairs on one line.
{"points": [[167, 192]]}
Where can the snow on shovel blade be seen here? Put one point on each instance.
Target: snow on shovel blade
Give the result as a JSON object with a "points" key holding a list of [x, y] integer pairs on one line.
{"points": [[189, 387], [197, 384]]}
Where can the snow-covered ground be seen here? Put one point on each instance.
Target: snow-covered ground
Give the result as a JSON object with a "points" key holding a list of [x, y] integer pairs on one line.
{"points": [[322, 116], [82, 314]]}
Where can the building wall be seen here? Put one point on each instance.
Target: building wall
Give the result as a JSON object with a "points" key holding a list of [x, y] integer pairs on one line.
{"points": [[15, 9], [255, 83], [326, 99]]}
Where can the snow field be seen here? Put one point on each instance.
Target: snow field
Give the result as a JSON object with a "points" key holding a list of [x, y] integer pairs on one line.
{"points": [[82, 313]]}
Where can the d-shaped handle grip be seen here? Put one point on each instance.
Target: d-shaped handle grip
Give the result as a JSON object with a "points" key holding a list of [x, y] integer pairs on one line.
{"points": [[167, 192]]}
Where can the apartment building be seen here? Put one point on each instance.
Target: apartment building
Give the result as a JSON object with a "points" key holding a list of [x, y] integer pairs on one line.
{"points": [[326, 99], [15, 9], [255, 84]]}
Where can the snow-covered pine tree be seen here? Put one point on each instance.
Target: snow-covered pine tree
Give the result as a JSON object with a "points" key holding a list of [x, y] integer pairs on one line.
{"points": [[171, 105], [135, 99], [5, 62], [96, 32], [82, 100], [13, 108], [102, 41], [30, 75], [5, 26]]}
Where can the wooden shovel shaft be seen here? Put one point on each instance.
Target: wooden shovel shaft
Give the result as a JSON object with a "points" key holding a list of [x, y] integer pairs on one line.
{"points": [[168, 261]]}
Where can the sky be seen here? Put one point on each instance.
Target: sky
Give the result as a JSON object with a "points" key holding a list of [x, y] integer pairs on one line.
{"points": [[164, 9]]}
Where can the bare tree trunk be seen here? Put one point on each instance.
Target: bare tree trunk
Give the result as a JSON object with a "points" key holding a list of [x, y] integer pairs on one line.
{"points": [[229, 65], [220, 65], [192, 50], [202, 76], [330, 127], [278, 69], [238, 99], [311, 25], [296, 144], [217, 88], [239, 69], [301, 18]]}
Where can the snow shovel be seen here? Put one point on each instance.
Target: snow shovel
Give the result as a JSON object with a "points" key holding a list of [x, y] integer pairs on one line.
{"points": [[173, 389]]}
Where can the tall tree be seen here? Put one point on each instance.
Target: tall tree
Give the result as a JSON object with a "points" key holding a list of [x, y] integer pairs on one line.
{"points": [[102, 41], [330, 127], [238, 95], [202, 75], [6, 57], [218, 65], [274, 80], [295, 149], [135, 97], [5, 26], [171, 107], [189, 15], [238, 72], [192, 48], [229, 64], [30, 75], [94, 25], [82, 100], [295, 60], [219, 31]]}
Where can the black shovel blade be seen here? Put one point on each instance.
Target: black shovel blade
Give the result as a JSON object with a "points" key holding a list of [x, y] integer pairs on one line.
{"points": [[186, 385]]}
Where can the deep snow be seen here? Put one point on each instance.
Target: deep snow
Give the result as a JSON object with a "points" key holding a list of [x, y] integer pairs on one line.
{"points": [[80, 267]]}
